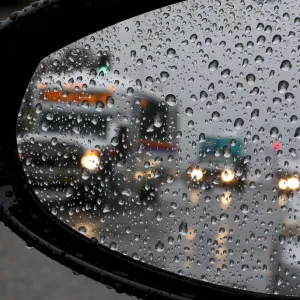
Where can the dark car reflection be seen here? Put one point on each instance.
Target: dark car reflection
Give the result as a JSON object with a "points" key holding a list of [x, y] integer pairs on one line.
{"points": [[220, 163]]}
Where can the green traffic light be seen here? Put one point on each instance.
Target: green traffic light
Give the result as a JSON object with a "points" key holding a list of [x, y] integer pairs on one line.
{"points": [[103, 69]]}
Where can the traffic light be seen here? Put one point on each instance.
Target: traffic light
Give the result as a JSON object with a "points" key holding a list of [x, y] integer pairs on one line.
{"points": [[104, 64]]}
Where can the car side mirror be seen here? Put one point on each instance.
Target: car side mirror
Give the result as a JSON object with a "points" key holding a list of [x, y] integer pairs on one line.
{"points": [[105, 107]]}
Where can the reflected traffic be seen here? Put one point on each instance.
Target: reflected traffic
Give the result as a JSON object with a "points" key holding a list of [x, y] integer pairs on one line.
{"points": [[175, 147]]}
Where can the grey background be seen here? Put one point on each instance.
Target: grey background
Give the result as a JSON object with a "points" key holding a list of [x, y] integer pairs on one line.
{"points": [[28, 275]]}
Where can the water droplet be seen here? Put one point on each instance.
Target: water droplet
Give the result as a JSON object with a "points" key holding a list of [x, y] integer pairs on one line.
{"points": [[110, 102], [215, 115], [251, 79], [193, 38], [244, 208], [276, 39], [113, 246], [53, 141], [203, 95], [202, 138], [127, 192], [164, 76], [114, 141], [238, 123], [82, 229], [158, 120], [159, 246], [285, 65], [171, 100], [261, 39], [38, 108], [297, 133], [183, 228], [189, 111], [213, 65], [69, 192], [274, 131], [255, 114], [259, 59], [283, 86], [171, 52], [225, 73]]}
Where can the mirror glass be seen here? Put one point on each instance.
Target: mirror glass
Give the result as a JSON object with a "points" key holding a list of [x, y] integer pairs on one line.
{"points": [[173, 138]]}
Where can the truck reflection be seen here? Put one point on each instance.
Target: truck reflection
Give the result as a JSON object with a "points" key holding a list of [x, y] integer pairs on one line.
{"points": [[103, 151]]}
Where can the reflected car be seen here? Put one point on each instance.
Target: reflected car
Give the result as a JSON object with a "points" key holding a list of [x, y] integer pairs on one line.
{"points": [[220, 163], [287, 175]]}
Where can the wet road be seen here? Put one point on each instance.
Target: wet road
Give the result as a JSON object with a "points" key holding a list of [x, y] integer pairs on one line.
{"points": [[221, 236]]}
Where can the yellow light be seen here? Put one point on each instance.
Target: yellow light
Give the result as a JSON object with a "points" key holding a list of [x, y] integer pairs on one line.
{"points": [[190, 235], [283, 184], [138, 175], [90, 160], [197, 173], [293, 183], [227, 175], [225, 200], [195, 196], [41, 85]]}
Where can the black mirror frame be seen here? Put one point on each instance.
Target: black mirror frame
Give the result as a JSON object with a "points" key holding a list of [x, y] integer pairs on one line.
{"points": [[26, 38]]}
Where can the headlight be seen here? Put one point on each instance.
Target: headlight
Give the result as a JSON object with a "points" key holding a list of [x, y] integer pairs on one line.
{"points": [[90, 160], [283, 184], [293, 183], [139, 175], [227, 175], [197, 174]]}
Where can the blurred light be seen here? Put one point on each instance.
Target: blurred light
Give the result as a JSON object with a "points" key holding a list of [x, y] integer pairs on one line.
{"points": [[41, 85], [276, 146], [293, 183], [283, 184], [90, 160], [197, 173], [190, 235], [225, 200], [227, 175], [138, 175], [103, 69], [195, 196]]}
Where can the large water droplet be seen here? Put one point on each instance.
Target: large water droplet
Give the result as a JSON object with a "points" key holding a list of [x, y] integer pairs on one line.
{"points": [[171, 52], [274, 131], [238, 123], [251, 79], [164, 76], [276, 39], [158, 120], [183, 228], [297, 133], [213, 65], [283, 86], [285, 65], [171, 100]]}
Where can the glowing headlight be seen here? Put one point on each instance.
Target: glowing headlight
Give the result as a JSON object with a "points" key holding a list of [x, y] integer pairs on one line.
{"points": [[227, 175], [139, 175], [293, 183], [197, 173], [283, 184], [90, 160]]}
